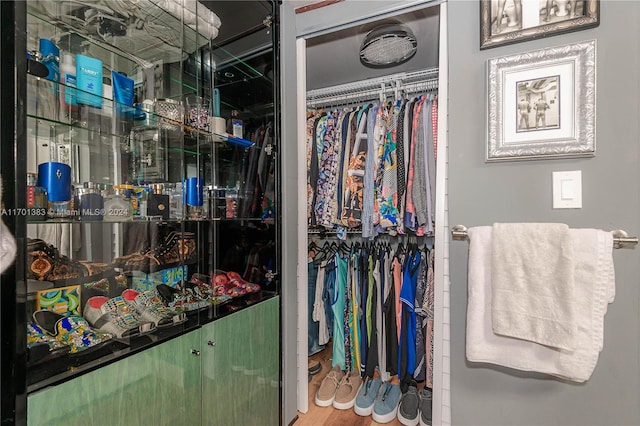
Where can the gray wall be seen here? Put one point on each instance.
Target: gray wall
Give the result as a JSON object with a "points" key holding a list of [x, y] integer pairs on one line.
{"points": [[481, 194]]}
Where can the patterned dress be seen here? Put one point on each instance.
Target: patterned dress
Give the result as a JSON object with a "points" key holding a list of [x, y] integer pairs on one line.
{"points": [[388, 195]]}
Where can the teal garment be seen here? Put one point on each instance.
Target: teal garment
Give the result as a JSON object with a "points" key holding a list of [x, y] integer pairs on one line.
{"points": [[337, 308]]}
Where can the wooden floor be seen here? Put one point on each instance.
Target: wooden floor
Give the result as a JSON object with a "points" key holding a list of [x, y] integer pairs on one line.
{"points": [[329, 415]]}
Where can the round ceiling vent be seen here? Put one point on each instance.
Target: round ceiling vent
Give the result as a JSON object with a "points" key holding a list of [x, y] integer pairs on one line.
{"points": [[388, 45]]}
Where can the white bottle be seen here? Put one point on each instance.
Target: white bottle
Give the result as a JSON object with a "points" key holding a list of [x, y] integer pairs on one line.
{"points": [[107, 94], [68, 101]]}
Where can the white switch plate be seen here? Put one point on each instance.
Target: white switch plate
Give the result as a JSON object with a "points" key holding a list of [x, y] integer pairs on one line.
{"points": [[567, 190]]}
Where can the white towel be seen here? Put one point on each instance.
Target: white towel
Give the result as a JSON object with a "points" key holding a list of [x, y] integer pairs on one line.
{"points": [[595, 287], [532, 270]]}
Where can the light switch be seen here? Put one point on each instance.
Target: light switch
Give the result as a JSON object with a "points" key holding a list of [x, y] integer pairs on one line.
{"points": [[567, 190]]}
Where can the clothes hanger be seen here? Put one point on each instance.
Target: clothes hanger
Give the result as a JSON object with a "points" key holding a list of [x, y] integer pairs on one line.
{"points": [[344, 249], [313, 246], [322, 252]]}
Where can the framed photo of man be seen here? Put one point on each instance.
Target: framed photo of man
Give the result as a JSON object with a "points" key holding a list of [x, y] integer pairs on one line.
{"points": [[541, 104], [512, 21]]}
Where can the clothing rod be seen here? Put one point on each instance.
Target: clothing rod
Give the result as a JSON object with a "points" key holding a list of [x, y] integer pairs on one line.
{"points": [[333, 231], [620, 238], [358, 233], [376, 85], [367, 95]]}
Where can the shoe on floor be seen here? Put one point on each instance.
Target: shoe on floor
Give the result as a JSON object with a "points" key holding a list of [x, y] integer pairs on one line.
{"points": [[314, 367], [426, 397], [347, 391], [327, 391], [408, 410], [366, 396], [386, 405]]}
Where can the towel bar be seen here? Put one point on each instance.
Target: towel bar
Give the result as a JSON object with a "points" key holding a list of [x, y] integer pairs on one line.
{"points": [[620, 238]]}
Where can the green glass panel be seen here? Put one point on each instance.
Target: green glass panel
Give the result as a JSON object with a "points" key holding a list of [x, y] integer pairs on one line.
{"points": [[160, 386], [240, 377]]}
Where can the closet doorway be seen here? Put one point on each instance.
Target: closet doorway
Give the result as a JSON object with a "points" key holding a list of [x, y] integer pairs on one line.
{"points": [[328, 61]]}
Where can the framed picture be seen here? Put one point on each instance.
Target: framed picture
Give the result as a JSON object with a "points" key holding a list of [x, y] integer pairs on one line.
{"points": [[512, 21], [542, 104]]}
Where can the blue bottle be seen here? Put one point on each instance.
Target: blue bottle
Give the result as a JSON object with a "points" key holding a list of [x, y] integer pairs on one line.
{"points": [[50, 58], [123, 94], [47, 95]]}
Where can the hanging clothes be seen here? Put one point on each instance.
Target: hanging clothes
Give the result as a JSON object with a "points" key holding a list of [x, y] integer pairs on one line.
{"points": [[363, 264], [348, 132], [362, 285], [372, 332], [320, 306], [430, 167], [434, 124], [354, 326], [336, 289], [388, 194], [379, 136], [384, 185], [407, 347], [347, 312], [246, 200], [326, 175], [354, 177], [331, 213], [428, 308], [368, 230], [372, 170], [312, 164], [380, 319], [398, 274], [410, 219], [390, 324], [401, 129], [313, 327], [419, 188], [421, 320]]}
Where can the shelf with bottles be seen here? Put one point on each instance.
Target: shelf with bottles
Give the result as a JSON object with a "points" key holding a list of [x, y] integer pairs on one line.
{"points": [[118, 120], [72, 134], [144, 31], [57, 104], [36, 215], [146, 196], [52, 199]]}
